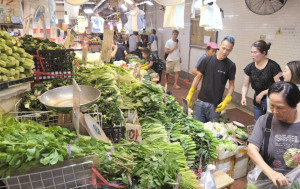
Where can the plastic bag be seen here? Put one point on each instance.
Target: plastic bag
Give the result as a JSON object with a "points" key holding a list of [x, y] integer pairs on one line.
{"points": [[257, 177], [207, 178]]}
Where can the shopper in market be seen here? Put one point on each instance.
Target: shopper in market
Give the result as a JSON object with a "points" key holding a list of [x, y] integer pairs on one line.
{"points": [[274, 150], [119, 51], [133, 43], [211, 49], [215, 71], [261, 73], [173, 59], [154, 43], [152, 62], [142, 45], [291, 73]]}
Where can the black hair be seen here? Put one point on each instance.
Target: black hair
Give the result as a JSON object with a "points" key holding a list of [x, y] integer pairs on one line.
{"points": [[289, 90], [230, 39], [208, 48], [262, 46], [153, 31], [175, 31], [294, 66], [146, 50]]}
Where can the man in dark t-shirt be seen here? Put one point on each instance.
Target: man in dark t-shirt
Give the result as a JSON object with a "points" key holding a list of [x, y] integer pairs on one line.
{"points": [[119, 51], [215, 70]]}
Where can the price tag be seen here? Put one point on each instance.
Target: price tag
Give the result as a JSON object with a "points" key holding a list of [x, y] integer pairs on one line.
{"points": [[134, 133], [76, 106], [10, 7]]}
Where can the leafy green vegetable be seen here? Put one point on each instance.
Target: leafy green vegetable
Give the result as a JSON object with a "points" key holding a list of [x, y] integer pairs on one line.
{"points": [[228, 145]]}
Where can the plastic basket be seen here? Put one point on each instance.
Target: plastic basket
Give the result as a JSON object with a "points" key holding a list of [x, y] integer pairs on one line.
{"points": [[116, 133], [66, 177], [49, 64]]}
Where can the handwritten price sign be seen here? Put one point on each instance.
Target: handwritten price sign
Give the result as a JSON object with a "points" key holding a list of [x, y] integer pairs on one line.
{"points": [[10, 7]]}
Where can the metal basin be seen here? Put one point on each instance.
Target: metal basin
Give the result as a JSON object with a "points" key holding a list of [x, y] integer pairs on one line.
{"points": [[61, 99]]}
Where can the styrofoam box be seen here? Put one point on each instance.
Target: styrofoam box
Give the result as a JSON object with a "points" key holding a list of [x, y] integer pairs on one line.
{"points": [[223, 154], [241, 162]]}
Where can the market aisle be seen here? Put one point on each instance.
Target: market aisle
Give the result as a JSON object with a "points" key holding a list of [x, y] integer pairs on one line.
{"points": [[233, 113]]}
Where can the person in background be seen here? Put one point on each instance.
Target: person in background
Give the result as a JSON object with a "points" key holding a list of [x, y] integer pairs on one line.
{"points": [[119, 51], [142, 45], [261, 73], [133, 43], [215, 70], [152, 61], [291, 73], [211, 49], [173, 60], [275, 153], [154, 43], [149, 59]]}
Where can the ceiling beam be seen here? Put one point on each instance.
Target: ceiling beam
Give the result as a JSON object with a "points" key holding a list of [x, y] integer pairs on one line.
{"points": [[100, 3]]}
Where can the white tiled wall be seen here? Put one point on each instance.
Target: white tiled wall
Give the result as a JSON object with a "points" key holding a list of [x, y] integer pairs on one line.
{"points": [[246, 27]]}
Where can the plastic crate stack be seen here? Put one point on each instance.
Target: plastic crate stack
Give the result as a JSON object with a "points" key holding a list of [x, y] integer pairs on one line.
{"points": [[50, 64]]}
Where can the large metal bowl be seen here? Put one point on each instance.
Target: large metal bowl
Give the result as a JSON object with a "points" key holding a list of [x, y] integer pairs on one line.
{"points": [[61, 99]]}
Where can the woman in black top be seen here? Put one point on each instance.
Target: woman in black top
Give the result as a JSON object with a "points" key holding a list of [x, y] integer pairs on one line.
{"points": [[152, 62], [261, 73]]}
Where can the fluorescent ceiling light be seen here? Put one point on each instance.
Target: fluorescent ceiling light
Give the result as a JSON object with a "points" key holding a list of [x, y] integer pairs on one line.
{"points": [[129, 2], [88, 11], [149, 3], [124, 7]]}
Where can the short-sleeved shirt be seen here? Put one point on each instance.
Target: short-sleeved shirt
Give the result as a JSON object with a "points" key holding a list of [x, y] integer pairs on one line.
{"points": [[133, 43], [283, 139], [215, 75], [262, 79], [120, 55], [175, 55], [200, 60]]}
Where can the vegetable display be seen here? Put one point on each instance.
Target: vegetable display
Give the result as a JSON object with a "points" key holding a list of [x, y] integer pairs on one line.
{"points": [[161, 121], [15, 63], [30, 43]]}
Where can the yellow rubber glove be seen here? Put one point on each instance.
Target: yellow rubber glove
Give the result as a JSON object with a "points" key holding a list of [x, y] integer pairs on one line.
{"points": [[145, 67], [190, 96], [223, 104]]}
